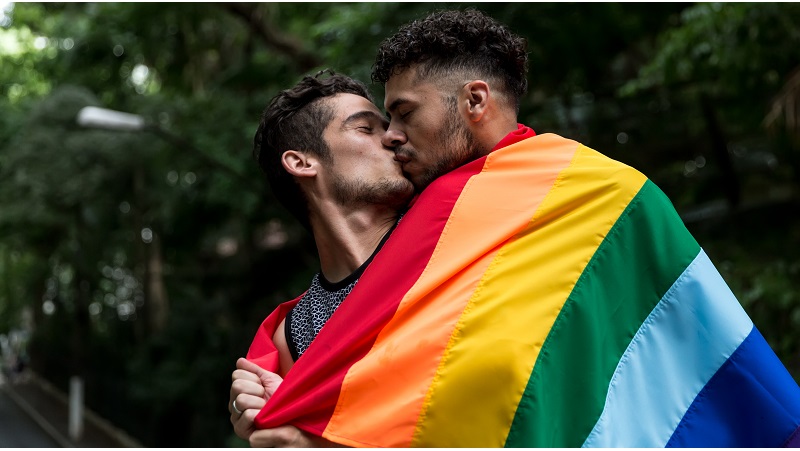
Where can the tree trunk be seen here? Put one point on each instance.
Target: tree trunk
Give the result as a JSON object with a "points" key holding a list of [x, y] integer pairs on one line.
{"points": [[719, 146]]}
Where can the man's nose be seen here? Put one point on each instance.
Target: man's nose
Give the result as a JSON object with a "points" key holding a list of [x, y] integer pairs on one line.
{"points": [[393, 138]]}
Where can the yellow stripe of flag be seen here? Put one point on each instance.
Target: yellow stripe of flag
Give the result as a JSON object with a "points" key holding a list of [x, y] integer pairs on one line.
{"points": [[389, 385], [491, 353]]}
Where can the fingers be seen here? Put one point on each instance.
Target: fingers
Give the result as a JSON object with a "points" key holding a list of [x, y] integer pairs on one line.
{"points": [[243, 425], [245, 402], [280, 437], [246, 375], [249, 405], [247, 365], [251, 387], [240, 386], [288, 437], [245, 382], [269, 380], [247, 394]]}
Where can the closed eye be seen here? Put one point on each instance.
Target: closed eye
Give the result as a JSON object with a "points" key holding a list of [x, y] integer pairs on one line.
{"points": [[365, 121]]}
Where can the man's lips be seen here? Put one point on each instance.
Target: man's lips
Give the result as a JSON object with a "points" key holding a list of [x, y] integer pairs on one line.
{"points": [[402, 157]]}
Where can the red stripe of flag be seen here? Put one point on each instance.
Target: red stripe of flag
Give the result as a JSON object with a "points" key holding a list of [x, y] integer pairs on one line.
{"points": [[309, 393]]}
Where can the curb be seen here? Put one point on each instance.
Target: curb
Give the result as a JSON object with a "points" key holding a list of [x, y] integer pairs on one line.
{"points": [[38, 419], [89, 416], [124, 439]]}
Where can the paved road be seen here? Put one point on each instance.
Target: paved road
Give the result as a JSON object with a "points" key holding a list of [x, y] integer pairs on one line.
{"points": [[17, 429]]}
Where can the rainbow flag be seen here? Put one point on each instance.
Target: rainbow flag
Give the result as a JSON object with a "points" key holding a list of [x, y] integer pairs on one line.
{"points": [[543, 296]]}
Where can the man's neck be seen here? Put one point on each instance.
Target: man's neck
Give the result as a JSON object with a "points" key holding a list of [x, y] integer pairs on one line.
{"points": [[346, 238], [490, 136]]}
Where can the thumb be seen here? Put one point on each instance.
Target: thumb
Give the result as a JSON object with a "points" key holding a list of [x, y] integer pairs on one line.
{"points": [[244, 364]]}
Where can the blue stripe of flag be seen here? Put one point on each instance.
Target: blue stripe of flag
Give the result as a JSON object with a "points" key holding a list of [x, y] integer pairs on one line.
{"points": [[752, 401], [678, 349]]}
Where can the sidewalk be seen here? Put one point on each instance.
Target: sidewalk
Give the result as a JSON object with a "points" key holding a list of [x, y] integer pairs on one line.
{"points": [[48, 407]]}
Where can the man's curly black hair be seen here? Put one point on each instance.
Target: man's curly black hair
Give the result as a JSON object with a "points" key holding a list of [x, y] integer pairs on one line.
{"points": [[457, 42], [294, 120]]}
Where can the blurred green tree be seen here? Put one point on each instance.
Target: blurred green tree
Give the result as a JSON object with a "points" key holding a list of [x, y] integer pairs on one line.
{"points": [[148, 263]]}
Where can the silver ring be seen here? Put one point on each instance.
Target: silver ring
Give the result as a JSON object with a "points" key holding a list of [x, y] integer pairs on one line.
{"points": [[239, 412]]}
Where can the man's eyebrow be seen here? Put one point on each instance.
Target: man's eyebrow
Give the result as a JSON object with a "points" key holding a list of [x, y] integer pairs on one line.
{"points": [[396, 104], [364, 114]]}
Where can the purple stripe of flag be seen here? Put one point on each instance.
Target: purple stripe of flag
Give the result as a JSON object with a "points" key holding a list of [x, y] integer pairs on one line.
{"points": [[794, 440], [752, 401]]}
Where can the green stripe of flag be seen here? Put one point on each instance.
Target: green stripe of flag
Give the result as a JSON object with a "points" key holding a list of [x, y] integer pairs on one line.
{"points": [[644, 252]]}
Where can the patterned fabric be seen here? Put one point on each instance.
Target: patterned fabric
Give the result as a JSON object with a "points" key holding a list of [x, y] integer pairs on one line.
{"points": [[543, 296], [312, 312], [316, 306]]}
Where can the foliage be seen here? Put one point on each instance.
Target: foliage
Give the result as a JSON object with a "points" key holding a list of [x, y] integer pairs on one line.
{"points": [[148, 259]]}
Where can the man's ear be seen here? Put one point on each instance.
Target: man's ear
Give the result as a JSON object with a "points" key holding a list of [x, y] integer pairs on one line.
{"points": [[475, 96], [299, 164]]}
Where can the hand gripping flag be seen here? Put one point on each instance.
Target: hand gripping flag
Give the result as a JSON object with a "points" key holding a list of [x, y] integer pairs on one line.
{"points": [[543, 296]]}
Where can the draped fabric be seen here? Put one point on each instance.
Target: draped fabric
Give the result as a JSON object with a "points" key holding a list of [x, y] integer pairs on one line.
{"points": [[542, 296]]}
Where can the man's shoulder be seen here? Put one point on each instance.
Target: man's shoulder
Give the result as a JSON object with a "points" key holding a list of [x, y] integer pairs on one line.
{"points": [[280, 312], [574, 161], [551, 140], [554, 140]]}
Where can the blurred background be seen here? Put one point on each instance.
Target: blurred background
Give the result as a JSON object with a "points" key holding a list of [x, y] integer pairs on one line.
{"points": [[142, 256]]}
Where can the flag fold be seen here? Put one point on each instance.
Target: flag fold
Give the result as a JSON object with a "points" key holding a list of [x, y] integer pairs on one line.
{"points": [[542, 296]]}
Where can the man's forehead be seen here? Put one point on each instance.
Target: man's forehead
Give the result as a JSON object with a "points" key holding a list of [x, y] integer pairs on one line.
{"points": [[346, 104], [399, 87], [408, 87]]}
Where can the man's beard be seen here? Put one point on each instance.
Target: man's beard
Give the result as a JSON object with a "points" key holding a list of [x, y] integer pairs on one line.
{"points": [[394, 194], [457, 146]]}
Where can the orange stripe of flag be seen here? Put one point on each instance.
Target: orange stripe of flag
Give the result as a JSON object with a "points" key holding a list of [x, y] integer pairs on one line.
{"points": [[390, 384]]}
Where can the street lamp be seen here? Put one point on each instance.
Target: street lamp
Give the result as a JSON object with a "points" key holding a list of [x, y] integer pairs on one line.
{"points": [[94, 117], [103, 118]]}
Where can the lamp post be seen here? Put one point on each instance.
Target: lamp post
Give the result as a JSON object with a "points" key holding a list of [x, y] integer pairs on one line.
{"points": [[106, 119], [94, 117], [155, 295], [103, 118]]}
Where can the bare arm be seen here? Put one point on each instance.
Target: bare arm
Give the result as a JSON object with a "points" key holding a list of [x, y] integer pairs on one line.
{"points": [[279, 339]]}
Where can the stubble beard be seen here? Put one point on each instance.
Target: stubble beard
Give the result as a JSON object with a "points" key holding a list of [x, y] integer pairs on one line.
{"points": [[393, 194], [457, 147]]}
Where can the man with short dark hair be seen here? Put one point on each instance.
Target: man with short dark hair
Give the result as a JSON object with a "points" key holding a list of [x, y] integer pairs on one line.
{"points": [[536, 293], [453, 86], [320, 145]]}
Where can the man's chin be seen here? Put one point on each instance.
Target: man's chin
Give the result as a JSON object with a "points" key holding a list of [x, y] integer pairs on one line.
{"points": [[420, 181], [414, 181], [401, 194], [410, 192]]}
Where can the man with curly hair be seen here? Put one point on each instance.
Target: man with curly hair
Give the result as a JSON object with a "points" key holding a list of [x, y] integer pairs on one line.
{"points": [[453, 86], [536, 293]]}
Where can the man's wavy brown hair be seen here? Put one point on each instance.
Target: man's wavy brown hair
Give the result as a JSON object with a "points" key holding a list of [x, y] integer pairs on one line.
{"points": [[295, 119]]}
